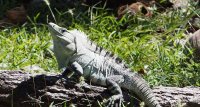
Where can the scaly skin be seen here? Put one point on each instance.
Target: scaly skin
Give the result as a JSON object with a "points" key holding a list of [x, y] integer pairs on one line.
{"points": [[74, 51]]}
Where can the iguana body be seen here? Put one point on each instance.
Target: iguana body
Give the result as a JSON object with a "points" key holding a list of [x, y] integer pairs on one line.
{"points": [[73, 50]]}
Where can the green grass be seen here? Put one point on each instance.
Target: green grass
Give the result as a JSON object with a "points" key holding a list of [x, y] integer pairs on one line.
{"points": [[24, 46], [144, 43]]}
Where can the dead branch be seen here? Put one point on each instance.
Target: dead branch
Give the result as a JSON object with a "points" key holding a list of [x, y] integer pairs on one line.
{"points": [[23, 89]]}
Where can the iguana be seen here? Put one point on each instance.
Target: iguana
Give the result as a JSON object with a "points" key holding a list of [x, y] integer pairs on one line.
{"points": [[75, 51]]}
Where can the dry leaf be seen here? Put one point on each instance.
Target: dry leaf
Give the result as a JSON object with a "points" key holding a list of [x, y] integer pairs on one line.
{"points": [[17, 15], [133, 9]]}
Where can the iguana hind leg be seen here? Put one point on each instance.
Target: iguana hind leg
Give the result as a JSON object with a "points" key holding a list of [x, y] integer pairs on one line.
{"points": [[116, 99], [116, 90]]}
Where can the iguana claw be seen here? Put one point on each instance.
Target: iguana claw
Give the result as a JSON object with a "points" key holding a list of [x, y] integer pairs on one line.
{"points": [[114, 101]]}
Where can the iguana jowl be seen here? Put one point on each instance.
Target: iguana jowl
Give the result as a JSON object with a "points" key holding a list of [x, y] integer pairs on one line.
{"points": [[73, 49]]}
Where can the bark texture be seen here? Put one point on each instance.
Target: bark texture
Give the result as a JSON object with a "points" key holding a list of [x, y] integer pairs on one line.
{"points": [[23, 89]]}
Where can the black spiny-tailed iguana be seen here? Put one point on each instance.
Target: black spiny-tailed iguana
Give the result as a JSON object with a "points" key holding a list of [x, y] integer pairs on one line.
{"points": [[73, 50]]}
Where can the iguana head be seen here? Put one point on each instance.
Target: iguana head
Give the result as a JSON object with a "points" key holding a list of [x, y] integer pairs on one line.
{"points": [[61, 34], [65, 45]]}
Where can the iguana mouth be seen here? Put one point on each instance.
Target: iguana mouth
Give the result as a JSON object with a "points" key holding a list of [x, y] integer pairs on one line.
{"points": [[55, 29]]}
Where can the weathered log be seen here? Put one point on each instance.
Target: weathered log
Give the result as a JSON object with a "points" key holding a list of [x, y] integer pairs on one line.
{"points": [[23, 89], [178, 97]]}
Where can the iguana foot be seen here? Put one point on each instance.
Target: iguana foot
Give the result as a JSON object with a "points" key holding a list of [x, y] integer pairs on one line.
{"points": [[114, 101], [67, 73], [117, 98]]}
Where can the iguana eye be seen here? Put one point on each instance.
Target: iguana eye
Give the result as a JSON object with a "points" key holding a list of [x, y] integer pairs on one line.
{"points": [[62, 30]]}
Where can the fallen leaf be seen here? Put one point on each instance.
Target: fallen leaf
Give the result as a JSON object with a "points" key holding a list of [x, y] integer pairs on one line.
{"points": [[17, 15], [134, 8]]}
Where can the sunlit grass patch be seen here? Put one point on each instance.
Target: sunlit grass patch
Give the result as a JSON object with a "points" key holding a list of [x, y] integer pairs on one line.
{"points": [[24, 46]]}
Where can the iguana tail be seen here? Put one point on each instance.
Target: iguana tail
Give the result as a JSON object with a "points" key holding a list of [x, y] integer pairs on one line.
{"points": [[138, 85]]}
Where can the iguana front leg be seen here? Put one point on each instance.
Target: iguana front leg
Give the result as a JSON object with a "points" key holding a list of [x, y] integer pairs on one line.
{"points": [[111, 84], [73, 68]]}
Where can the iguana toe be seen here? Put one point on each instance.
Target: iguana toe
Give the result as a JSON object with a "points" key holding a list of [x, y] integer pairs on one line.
{"points": [[114, 101]]}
